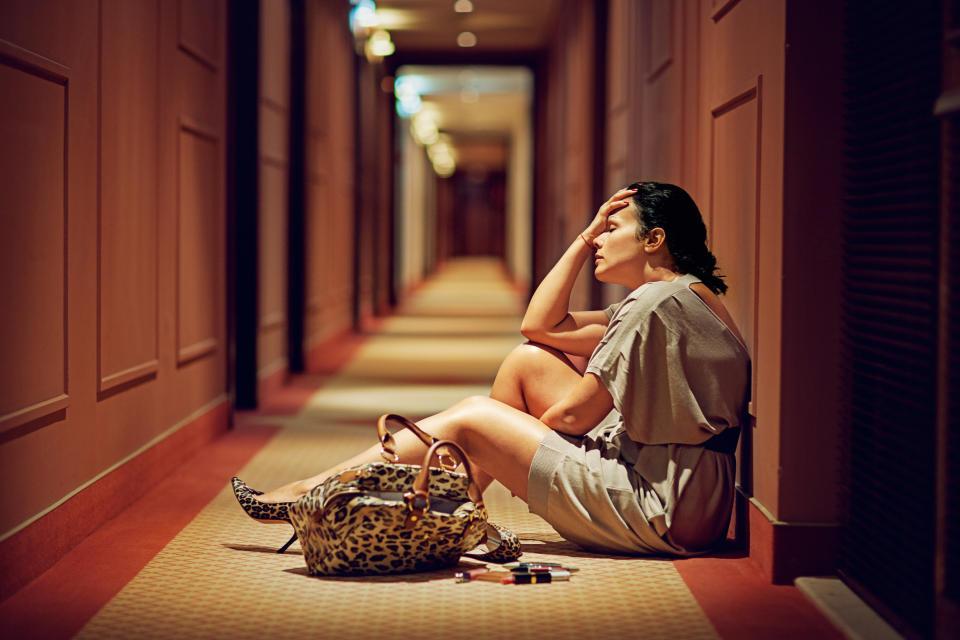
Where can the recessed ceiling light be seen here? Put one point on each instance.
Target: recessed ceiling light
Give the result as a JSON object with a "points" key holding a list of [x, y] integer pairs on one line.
{"points": [[463, 6], [467, 39]]}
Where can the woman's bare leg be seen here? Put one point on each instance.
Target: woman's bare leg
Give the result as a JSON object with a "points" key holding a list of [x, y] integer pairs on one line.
{"points": [[533, 378], [500, 434]]}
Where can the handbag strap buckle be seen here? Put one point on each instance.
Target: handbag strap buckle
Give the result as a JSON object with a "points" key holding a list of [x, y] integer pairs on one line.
{"points": [[417, 503], [387, 451]]}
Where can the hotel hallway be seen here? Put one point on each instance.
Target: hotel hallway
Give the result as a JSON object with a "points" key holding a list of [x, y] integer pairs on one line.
{"points": [[186, 562]]}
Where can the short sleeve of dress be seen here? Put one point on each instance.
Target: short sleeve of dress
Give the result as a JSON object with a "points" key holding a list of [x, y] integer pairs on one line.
{"points": [[612, 309]]}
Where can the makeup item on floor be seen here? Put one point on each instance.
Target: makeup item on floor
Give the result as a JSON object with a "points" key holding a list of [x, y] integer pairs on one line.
{"points": [[536, 577], [538, 566], [472, 574]]}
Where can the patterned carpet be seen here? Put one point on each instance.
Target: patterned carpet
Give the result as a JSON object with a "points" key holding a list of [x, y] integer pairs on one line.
{"points": [[219, 577]]}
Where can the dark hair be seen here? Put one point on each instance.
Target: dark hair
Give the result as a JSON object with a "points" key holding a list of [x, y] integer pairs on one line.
{"points": [[672, 209]]}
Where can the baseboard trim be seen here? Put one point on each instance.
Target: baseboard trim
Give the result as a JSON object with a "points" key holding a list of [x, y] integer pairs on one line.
{"points": [[36, 545], [785, 551], [272, 379], [328, 356], [846, 609]]}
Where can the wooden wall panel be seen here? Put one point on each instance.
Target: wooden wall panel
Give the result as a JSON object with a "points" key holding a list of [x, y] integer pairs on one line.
{"points": [[199, 28], [275, 52], [621, 108], [319, 266], [272, 347], [618, 107], [274, 132], [33, 245], [192, 230], [742, 123], [661, 36], [200, 243], [112, 119], [661, 142], [273, 209], [199, 96], [48, 181], [128, 247], [734, 192], [329, 168], [576, 188]]}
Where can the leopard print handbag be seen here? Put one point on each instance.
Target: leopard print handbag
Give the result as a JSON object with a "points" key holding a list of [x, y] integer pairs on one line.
{"points": [[391, 518]]}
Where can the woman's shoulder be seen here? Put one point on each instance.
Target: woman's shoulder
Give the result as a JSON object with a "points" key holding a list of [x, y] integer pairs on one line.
{"points": [[652, 295]]}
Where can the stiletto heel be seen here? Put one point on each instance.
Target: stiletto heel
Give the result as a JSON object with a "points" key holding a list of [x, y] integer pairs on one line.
{"points": [[289, 542], [262, 511]]}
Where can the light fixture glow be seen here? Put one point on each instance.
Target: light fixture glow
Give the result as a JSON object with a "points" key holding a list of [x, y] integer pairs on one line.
{"points": [[463, 6], [467, 39], [407, 89], [442, 156], [409, 105], [423, 127], [380, 44], [363, 16]]}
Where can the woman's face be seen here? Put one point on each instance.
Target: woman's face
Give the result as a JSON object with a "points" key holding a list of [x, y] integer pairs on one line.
{"points": [[619, 257]]}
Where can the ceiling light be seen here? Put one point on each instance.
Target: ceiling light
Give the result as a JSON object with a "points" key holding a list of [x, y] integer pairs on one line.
{"points": [[423, 127], [467, 39], [442, 157], [363, 16], [463, 6], [409, 105], [407, 89], [380, 44]]}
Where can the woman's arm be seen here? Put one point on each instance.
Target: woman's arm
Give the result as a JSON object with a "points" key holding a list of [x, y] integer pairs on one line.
{"points": [[548, 319], [582, 409]]}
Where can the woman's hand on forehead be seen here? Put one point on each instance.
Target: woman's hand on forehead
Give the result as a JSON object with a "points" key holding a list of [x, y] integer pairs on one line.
{"points": [[615, 203]]}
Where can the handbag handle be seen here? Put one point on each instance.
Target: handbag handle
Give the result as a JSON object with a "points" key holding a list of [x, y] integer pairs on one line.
{"points": [[418, 499], [387, 443]]}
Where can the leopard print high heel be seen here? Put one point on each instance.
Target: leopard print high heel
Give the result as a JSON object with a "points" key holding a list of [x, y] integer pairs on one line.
{"points": [[262, 511]]}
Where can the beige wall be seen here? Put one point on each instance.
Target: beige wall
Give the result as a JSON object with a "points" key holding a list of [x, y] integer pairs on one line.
{"points": [[112, 170], [416, 186], [520, 202]]}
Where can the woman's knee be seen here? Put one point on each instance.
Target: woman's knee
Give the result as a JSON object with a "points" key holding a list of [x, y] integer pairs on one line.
{"points": [[467, 409], [533, 356], [474, 417]]}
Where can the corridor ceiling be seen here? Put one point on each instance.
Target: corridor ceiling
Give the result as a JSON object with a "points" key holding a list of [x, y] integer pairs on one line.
{"points": [[500, 26], [481, 108]]}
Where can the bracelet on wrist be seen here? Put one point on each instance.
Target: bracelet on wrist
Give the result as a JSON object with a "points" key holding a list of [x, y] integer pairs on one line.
{"points": [[589, 244]]}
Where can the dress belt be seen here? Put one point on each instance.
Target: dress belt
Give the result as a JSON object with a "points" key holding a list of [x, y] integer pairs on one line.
{"points": [[724, 442]]}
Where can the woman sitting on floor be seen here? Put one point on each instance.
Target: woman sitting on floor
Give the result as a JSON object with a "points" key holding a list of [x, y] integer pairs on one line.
{"points": [[654, 476]]}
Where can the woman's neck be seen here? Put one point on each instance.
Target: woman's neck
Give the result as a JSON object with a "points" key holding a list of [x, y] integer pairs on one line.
{"points": [[659, 273]]}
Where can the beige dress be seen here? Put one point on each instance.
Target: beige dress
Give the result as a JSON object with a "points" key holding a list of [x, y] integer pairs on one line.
{"points": [[678, 376]]}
